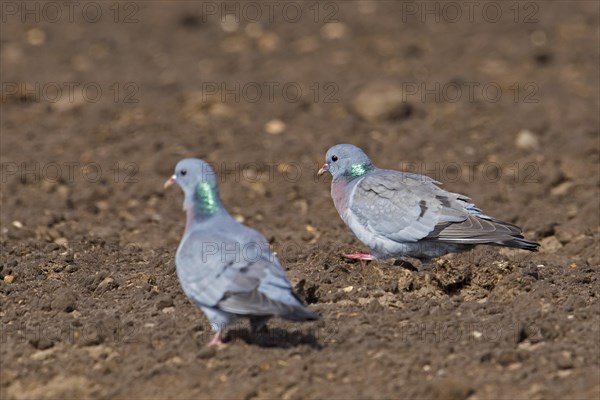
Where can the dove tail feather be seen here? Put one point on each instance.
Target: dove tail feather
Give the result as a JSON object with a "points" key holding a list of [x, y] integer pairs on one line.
{"points": [[300, 313], [520, 243], [483, 230], [257, 303]]}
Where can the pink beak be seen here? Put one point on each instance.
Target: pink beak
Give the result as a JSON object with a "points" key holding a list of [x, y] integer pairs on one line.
{"points": [[170, 181], [323, 169]]}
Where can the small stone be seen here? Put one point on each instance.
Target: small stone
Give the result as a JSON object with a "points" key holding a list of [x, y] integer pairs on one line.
{"points": [[229, 23], [450, 389], [334, 30], [61, 241], [268, 42], [374, 306], [527, 140], [538, 38], [550, 244], [507, 357], [64, 301], [42, 355], [164, 301], [563, 373], [307, 44], [9, 278], [348, 289], [254, 30], [564, 361], [36, 37], [561, 189], [42, 343], [107, 284], [102, 205], [275, 127], [176, 360], [71, 268], [17, 224], [206, 353], [378, 101]]}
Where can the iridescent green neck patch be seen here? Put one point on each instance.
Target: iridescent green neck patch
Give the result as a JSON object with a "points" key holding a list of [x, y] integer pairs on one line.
{"points": [[357, 170], [206, 199]]}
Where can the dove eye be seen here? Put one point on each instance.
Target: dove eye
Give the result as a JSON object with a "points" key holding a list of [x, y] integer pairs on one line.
{"points": [[334, 158], [183, 172]]}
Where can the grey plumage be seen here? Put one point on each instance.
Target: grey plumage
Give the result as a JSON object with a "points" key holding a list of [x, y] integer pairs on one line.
{"points": [[402, 214], [224, 267]]}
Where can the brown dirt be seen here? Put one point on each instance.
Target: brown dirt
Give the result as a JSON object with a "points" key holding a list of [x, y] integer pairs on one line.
{"points": [[91, 306]]}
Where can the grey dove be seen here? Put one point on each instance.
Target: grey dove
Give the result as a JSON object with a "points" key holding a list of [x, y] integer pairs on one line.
{"points": [[397, 214], [224, 267]]}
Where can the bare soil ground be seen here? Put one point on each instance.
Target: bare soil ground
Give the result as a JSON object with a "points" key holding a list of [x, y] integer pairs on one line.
{"points": [[98, 107]]}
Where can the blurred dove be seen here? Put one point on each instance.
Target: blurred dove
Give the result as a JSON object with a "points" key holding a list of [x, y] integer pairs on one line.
{"points": [[398, 214], [224, 267]]}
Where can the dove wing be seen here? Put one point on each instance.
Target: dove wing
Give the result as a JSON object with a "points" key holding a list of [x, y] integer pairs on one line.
{"points": [[404, 207], [237, 276]]}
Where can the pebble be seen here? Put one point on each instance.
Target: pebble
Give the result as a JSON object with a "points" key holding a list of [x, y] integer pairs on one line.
{"points": [[254, 30], [268, 42], [550, 244], [449, 388], [107, 284], [306, 44], [527, 140], [61, 241], [229, 23], [164, 301], [36, 37], [561, 189], [42, 343], [538, 38], [65, 301], [334, 30], [275, 127], [43, 354], [206, 353], [378, 101]]}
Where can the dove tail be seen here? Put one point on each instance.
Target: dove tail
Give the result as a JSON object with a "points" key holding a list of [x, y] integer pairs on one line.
{"points": [[520, 243], [259, 304], [300, 313], [483, 230]]}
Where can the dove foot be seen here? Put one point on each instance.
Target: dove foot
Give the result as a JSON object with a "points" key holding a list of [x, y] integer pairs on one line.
{"points": [[363, 258], [216, 341]]}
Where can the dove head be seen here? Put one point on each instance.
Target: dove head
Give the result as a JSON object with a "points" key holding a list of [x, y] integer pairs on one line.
{"points": [[346, 161], [199, 184]]}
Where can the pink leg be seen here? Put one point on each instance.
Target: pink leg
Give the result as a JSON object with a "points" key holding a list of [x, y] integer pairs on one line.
{"points": [[359, 256], [216, 341]]}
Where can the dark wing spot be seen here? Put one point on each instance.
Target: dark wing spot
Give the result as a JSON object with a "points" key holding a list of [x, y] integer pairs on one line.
{"points": [[444, 200], [229, 264], [423, 206]]}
